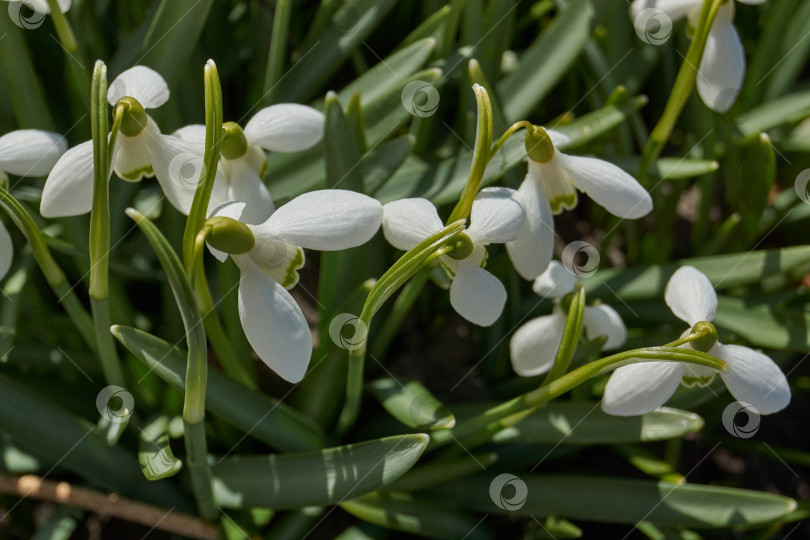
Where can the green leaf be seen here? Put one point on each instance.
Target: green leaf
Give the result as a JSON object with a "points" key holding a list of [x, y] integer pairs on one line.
{"points": [[667, 168], [786, 109], [764, 325], [316, 478], [412, 404], [724, 271], [154, 451], [545, 62], [614, 500], [758, 165], [429, 28], [402, 512], [266, 419], [432, 474], [381, 162]]}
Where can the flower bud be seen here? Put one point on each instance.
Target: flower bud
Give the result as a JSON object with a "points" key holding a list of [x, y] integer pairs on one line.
{"points": [[234, 142], [705, 343], [462, 248], [134, 119], [539, 145], [229, 235]]}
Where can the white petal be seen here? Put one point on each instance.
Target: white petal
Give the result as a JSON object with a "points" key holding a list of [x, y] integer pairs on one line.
{"points": [[532, 250], [557, 183], [477, 295], [608, 185], [534, 345], [6, 250], [245, 185], [496, 217], [690, 296], [675, 9], [602, 320], [407, 222], [194, 133], [30, 152], [68, 190], [722, 68], [754, 378], [229, 209], [286, 127], [133, 160], [640, 388], [555, 282], [39, 6], [326, 220], [558, 138], [178, 165], [274, 325], [142, 83]]}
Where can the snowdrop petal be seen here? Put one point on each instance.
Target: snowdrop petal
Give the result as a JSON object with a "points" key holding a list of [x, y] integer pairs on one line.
{"points": [[477, 295], [245, 185], [602, 320], [30, 152], [608, 185], [534, 345], [177, 165], [407, 222], [274, 325], [286, 127], [326, 220], [194, 133], [558, 138], [675, 9], [41, 6], [496, 217], [640, 388], [229, 209], [754, 378], [68, 190], [142, 83], [690, 296], [722, 68], [555, 282], [133, 160], [531, 251], [6, 250]]}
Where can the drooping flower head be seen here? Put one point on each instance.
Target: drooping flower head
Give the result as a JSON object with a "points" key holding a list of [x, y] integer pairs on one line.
{"points": [[534, 345], [752, 377], [496, 217], [286, 127], [551, 185], [326, 220], [25, 152]]}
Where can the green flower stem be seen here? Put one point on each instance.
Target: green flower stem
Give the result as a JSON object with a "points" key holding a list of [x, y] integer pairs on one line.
{"points": [[100, 229], [52, 272], [684, 83], [481, 155], [197, 463], [513, 411], [570, 337], [276, 54], [508, 133], [409, 264], [402, 306], [213, 140], [63, 30]]}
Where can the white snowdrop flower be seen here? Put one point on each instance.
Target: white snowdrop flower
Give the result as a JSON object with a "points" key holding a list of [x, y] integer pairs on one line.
{"points": [[25, 152], [286, 127], [534, 345], [269, 259], [551, 185], [41, 6], [140, 150], [496, 217], [722, 68], [752, 377]]}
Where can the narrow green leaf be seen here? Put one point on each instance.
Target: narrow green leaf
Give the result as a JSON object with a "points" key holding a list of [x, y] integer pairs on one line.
{"points": [[790, 108], [412, 404], [764, 324], [571, 334], [667, 168], [154, 451], [381, 162], [316, 478], [758, 165], [429, 28], [432, 474]]}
